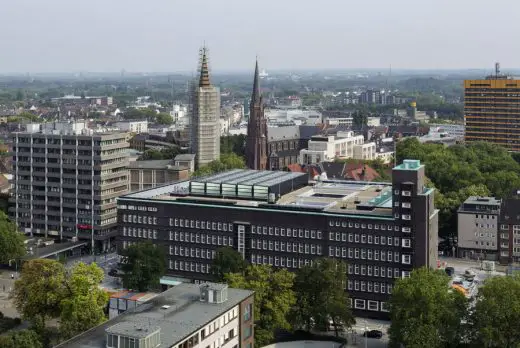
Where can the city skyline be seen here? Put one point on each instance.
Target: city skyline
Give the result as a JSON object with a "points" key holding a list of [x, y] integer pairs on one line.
{"points": [[296, 35]]}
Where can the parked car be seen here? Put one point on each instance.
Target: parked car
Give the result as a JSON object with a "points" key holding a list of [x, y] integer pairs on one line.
{"points": [[373, 334]]}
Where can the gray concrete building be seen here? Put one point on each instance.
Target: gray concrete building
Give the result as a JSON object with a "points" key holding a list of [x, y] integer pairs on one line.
{"points": [[185, 316], [477, 228], [149, 174], [66, 179], [205, 116]]}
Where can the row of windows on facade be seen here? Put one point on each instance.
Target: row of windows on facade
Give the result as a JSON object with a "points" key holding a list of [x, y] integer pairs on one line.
{"points": [[139, 219], [316, 234], [189, 266], [208, 225], [516, 228], [192, 252], [373, 271], [353, 269], [213, 328], [202, 238], [369, 254], [369, 305], [140, 232], [137, 207], [369, 286], [343, 252]]}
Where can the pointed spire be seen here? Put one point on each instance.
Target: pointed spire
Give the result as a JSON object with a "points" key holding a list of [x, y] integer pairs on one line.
{"points": [[204, 70], [256, 86]]}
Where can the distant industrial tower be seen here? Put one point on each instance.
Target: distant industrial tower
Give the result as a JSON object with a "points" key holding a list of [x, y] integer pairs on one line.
{"points": [[491, 110], [205, 116], [256, 142]]}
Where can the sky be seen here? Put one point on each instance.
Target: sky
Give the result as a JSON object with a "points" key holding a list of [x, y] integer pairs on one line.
{"points": [[165, 35]]}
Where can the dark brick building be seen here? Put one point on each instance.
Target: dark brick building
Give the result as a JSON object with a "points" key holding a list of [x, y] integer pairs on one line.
{"points": [[381, 230]]}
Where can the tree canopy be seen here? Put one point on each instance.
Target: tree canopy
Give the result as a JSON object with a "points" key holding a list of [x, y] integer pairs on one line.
{"points": [[21, 339], [143, 265], [274, 298], [227, 161], [425, 312], [320, 296], [47, 290], [462, 170], [233, 144], [83, 304], [164, 118], [11, 241], [164, 154], [495, 319], [227, 260]]}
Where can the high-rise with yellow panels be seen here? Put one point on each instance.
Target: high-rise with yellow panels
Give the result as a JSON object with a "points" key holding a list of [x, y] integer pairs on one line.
{"points": [[492, 110]]}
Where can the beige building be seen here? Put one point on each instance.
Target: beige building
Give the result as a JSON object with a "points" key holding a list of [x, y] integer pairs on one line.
{"points": [[205, 117], [149, 174], [477, 228]]}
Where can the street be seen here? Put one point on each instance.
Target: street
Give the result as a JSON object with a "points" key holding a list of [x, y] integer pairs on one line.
{"points": [[106, 262]]}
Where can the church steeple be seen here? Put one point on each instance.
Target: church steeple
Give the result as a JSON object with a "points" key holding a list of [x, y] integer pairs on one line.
{"points": [[256, 141], [255, 98], [204, 69]]}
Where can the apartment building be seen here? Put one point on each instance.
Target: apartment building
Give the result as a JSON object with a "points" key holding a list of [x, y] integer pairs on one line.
{"points": [[345, 144], [491, 110], [133, 126], [185, 316], [66, 179], [477, 228], [382, 231], [509, 232]]}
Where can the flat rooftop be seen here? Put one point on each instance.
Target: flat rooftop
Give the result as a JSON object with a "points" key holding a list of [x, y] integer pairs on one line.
{"points": [[177, 312], [482, 200], [277, 189]]}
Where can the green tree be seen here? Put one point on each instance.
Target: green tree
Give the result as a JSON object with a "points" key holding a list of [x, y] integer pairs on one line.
{"points": [[45, 290], [227, 161], [38, 293], [163, 154], [495, 319], [233, 144], [323, 299], [28, 116], [140, 114], [164, 118], [425, 312], [360, 118], [21, 339], [459, 171], [143, 265], [274, 298], [227, 260], [11, 241], [84, 302]]}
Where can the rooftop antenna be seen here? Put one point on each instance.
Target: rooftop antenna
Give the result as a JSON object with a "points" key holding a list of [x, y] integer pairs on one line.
{"points": [[497, 69]]}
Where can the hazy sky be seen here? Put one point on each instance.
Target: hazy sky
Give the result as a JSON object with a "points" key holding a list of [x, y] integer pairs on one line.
{"points": [[164, 35]]}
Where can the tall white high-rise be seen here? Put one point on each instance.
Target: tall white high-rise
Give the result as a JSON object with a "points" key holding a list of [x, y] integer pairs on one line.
{"points": [[205, 116]]}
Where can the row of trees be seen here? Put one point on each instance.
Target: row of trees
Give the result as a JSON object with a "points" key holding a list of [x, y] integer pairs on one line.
{"points": [[47, 290], [286, 300], [426, 312], [457, 172], [148, 114], [227, 161], [163, 154]]}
